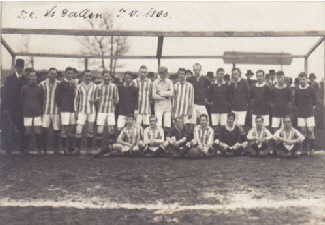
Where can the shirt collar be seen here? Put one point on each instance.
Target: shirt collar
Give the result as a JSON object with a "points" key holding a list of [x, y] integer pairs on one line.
{"points": [[230, 128], [216, 82], [239, 79], [17, 74], [300, 87], [278, 87], [260, 85]]}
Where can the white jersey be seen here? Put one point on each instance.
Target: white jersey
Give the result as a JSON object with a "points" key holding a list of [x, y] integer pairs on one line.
{"points": [[108, 97], [144, 95], [203, 136], [49, 106], [183, 99], [153, 134], [83, 97]]}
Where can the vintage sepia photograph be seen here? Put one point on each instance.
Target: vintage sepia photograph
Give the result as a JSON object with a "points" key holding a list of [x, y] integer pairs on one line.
{"points": [[162, 112]]}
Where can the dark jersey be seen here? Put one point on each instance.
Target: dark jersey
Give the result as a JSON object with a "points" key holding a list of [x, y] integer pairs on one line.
{"points": [[128, 99], [32, 97]]}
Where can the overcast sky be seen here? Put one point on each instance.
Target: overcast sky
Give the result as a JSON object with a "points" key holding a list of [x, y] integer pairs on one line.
{"points": [[182, 16]]}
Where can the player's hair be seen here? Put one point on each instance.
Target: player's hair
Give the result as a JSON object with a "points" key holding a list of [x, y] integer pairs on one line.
{"points": [[153, 116], [178, 118], [302, 74], [280, 73], [236, 69], [259, 117], [52, 68], [87, 71], [106, 71], [189, 71], [204, 115], [231, 114], [220, 70], [260, 71], [128, 73], [197, 64], [143, 67], [287, 117], [181, 69], [69, 69], [29, 70]]}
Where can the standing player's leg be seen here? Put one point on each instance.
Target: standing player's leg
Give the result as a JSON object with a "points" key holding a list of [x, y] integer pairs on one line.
{"points": [[46, 121], [90, 131], [37, 131], [311, 134], [82, 117], [72, 132], [28, 131], [56, 133], [302, 124]]}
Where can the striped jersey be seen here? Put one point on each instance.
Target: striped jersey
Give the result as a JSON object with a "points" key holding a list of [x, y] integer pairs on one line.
{"points": [[83, 97], [183, 99], [131, 135], [144, 94], [108, 97], [203, 136], [49, 105], [156, 134]]}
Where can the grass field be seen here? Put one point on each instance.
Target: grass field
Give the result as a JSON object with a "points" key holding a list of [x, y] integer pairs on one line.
{"points": [[232, 190]]}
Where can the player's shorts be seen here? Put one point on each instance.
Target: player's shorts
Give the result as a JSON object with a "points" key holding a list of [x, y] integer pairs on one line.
{"points": [[277, 122], [68, 118], [240, 117], [143, 118], [106, 118], [163, 115], [48, 119], [121, 121], [32, 121], [197, 111], [83, 117], [266, 119], [309, 122], [219, 119]]}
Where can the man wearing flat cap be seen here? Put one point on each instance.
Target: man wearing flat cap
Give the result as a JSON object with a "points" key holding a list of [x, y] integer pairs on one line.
{"points": [[13, 110], [312, 82], [162, 93], [249, 76], [272, 80]]}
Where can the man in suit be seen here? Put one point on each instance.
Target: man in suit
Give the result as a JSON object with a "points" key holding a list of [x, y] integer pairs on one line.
{"points": [[12, 105]]}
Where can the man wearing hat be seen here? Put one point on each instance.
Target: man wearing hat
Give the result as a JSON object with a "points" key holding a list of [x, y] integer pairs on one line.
{"points": [[162, 93], [249, 76], [13, 110], [272, 80], [312, 82]]}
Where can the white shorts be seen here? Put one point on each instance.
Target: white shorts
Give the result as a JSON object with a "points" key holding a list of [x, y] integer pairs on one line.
{"points": [[309, 122], [121, 121], [277, 121], [143, 118], [106, 118], [219, 119], [68, 118], [266, 121], [167, 115], [49, 119], [83, 117], [240, 117], [198, 110], [32, 121]]}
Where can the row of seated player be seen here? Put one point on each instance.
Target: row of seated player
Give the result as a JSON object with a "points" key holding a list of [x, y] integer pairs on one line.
{"points": [[288, 140]]}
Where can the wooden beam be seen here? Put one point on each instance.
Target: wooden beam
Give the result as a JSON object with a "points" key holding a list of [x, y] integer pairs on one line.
{"points": [[88, 32], [306, 65], [9, 49], [160, 46], [53, 55], [313, 48]]}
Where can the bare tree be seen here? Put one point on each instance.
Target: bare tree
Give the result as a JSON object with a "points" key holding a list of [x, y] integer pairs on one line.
{"points": [[102, 45], [29, 62]]}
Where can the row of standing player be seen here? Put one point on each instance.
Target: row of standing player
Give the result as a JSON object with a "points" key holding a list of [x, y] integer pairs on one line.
{"points": [[185, 99]]}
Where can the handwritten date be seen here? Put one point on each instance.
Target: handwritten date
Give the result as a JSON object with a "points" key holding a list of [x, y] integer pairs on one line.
{"points": [[148, 14]]}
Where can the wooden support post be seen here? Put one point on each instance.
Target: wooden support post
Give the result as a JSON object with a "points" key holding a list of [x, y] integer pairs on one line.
{"points": [[324, 88], [306, 65], [13, 62], [86, 63]]}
